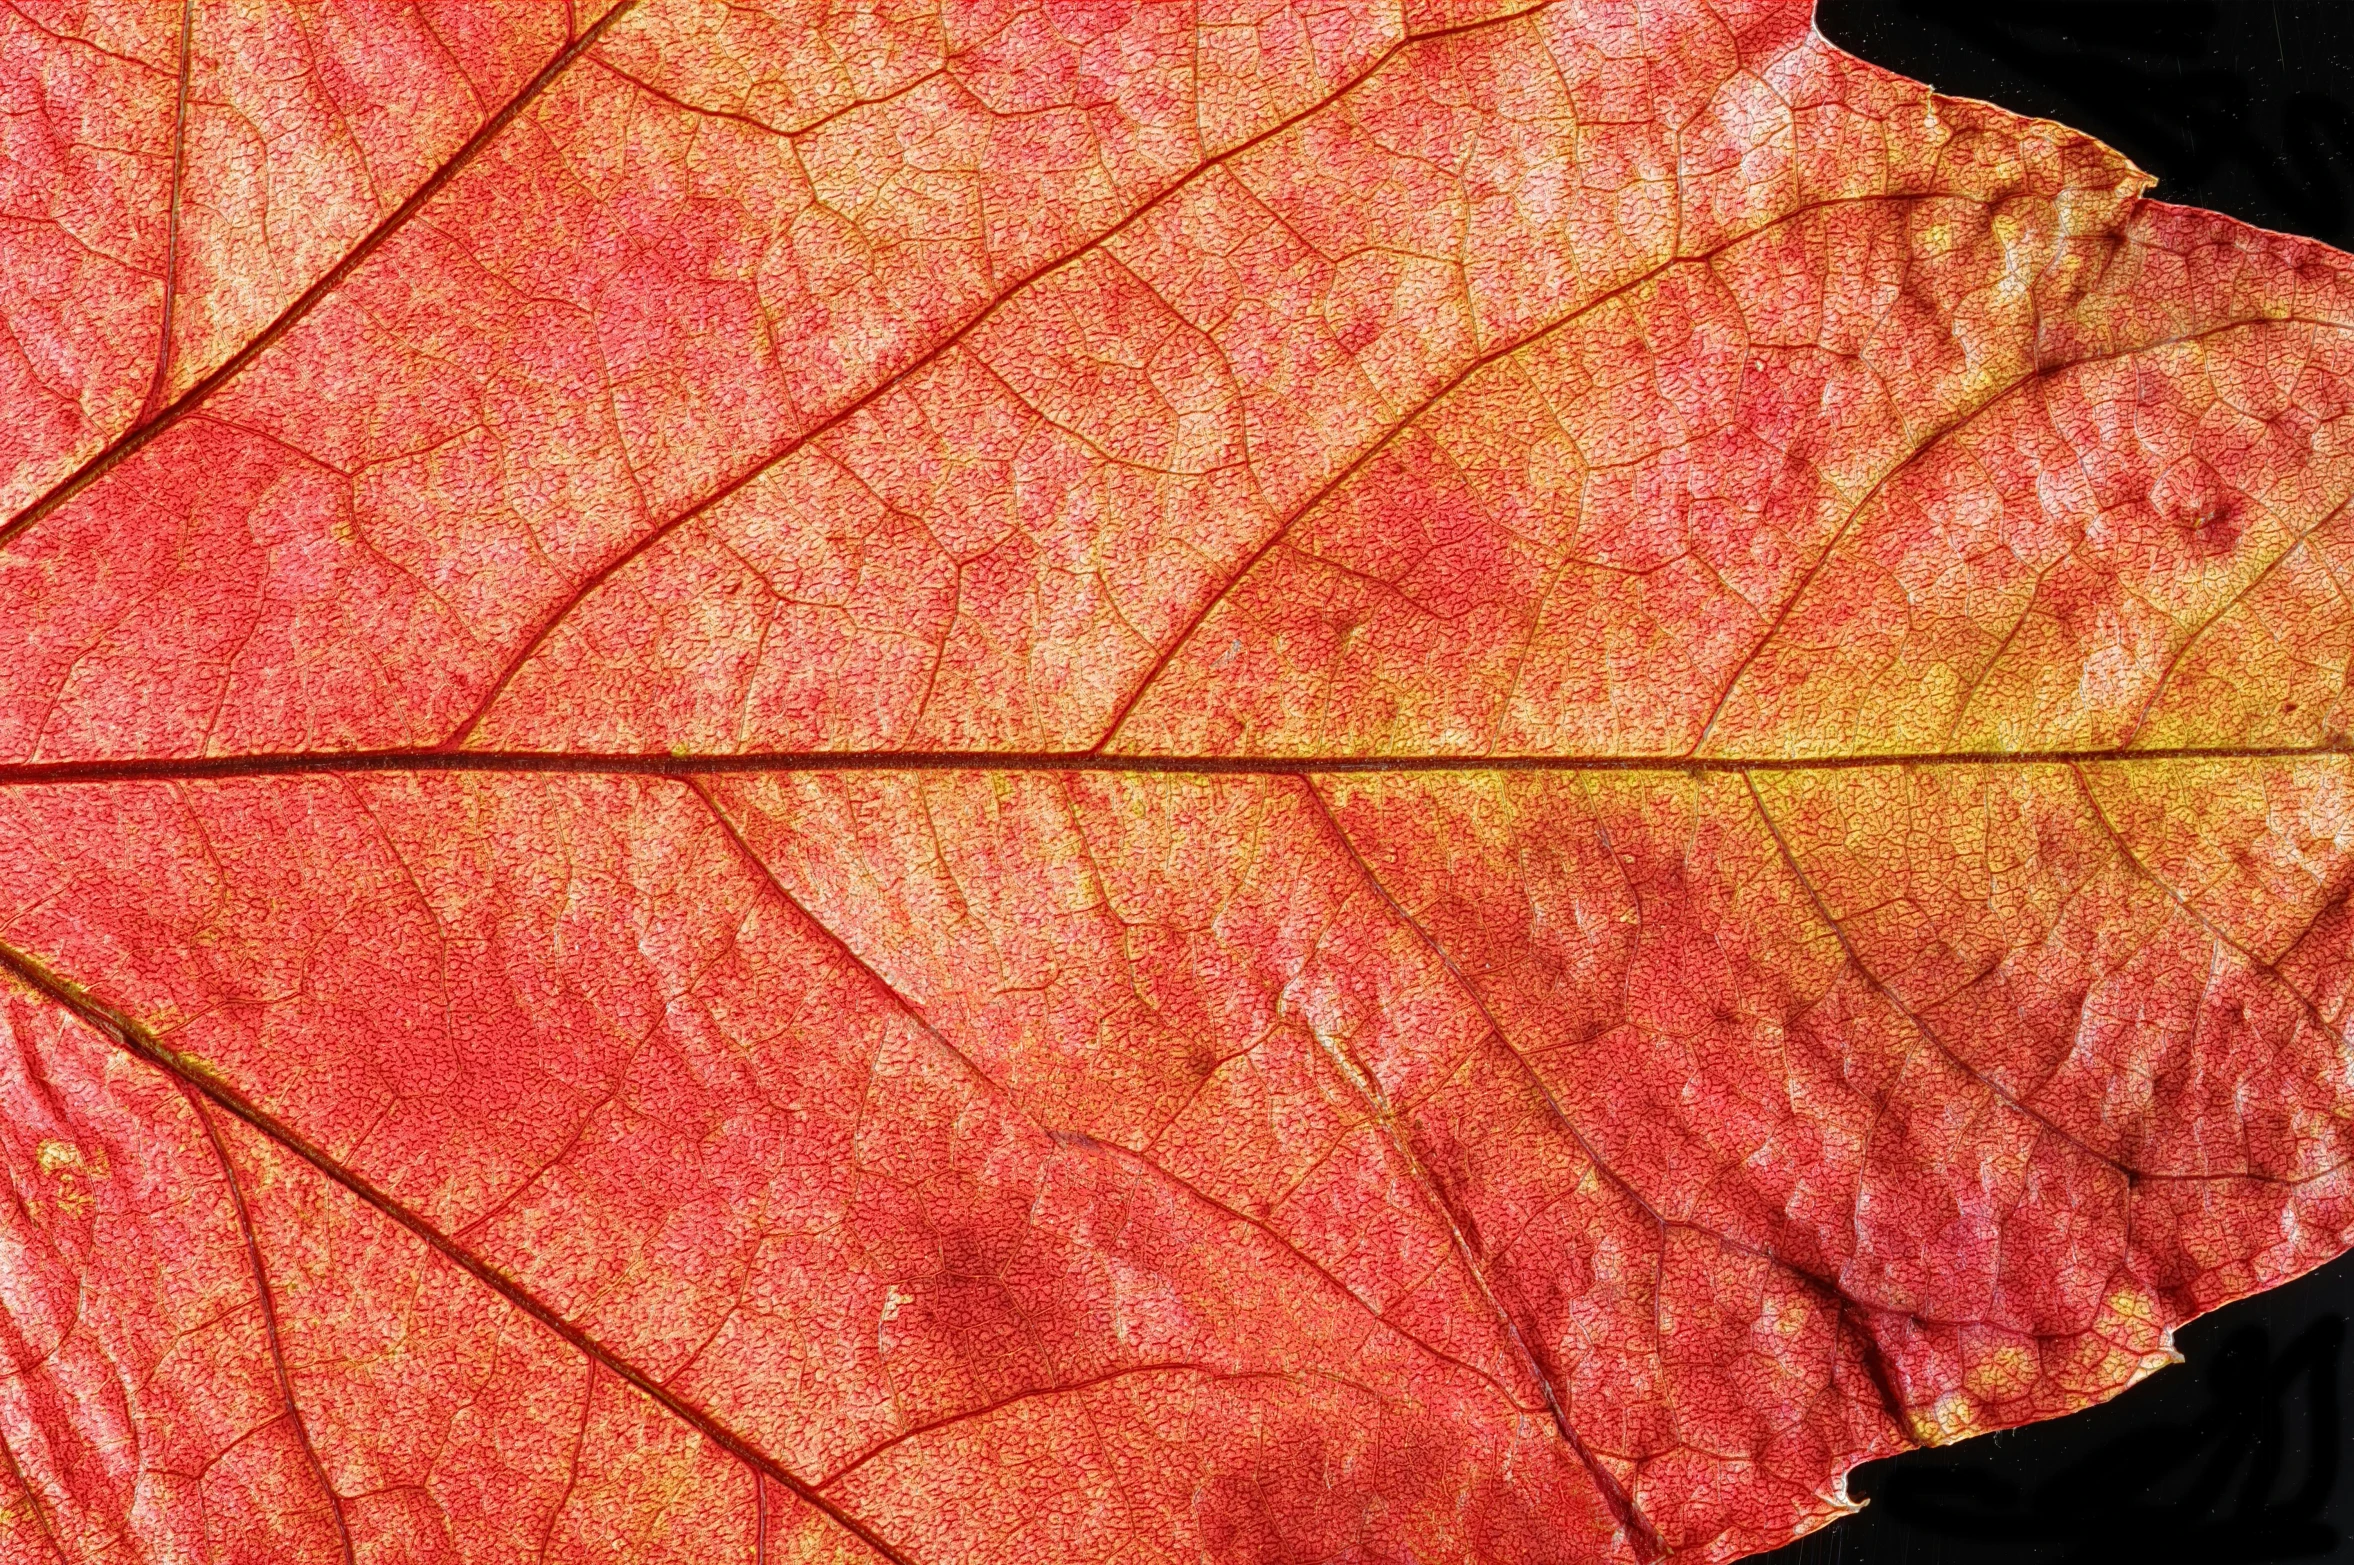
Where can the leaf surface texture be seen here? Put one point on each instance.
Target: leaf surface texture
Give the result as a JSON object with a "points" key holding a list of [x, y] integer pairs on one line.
{"points": [[1233, 781]]}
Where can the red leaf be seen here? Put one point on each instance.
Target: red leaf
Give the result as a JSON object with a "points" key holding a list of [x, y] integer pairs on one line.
{"points": [[1128, 781]]}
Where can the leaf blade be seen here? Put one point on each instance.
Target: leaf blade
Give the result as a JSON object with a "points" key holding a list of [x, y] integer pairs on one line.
{"points": [[1425, 846]]}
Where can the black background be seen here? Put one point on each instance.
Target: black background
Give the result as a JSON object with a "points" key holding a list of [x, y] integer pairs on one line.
{"points": [[2239, 1455]]}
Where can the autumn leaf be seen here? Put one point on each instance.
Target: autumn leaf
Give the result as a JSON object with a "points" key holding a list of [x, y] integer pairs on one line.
{"points": [[1101, 780]]}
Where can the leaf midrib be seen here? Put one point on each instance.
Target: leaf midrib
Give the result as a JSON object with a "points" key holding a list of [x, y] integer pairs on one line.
{"points": [[22, 774]]}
